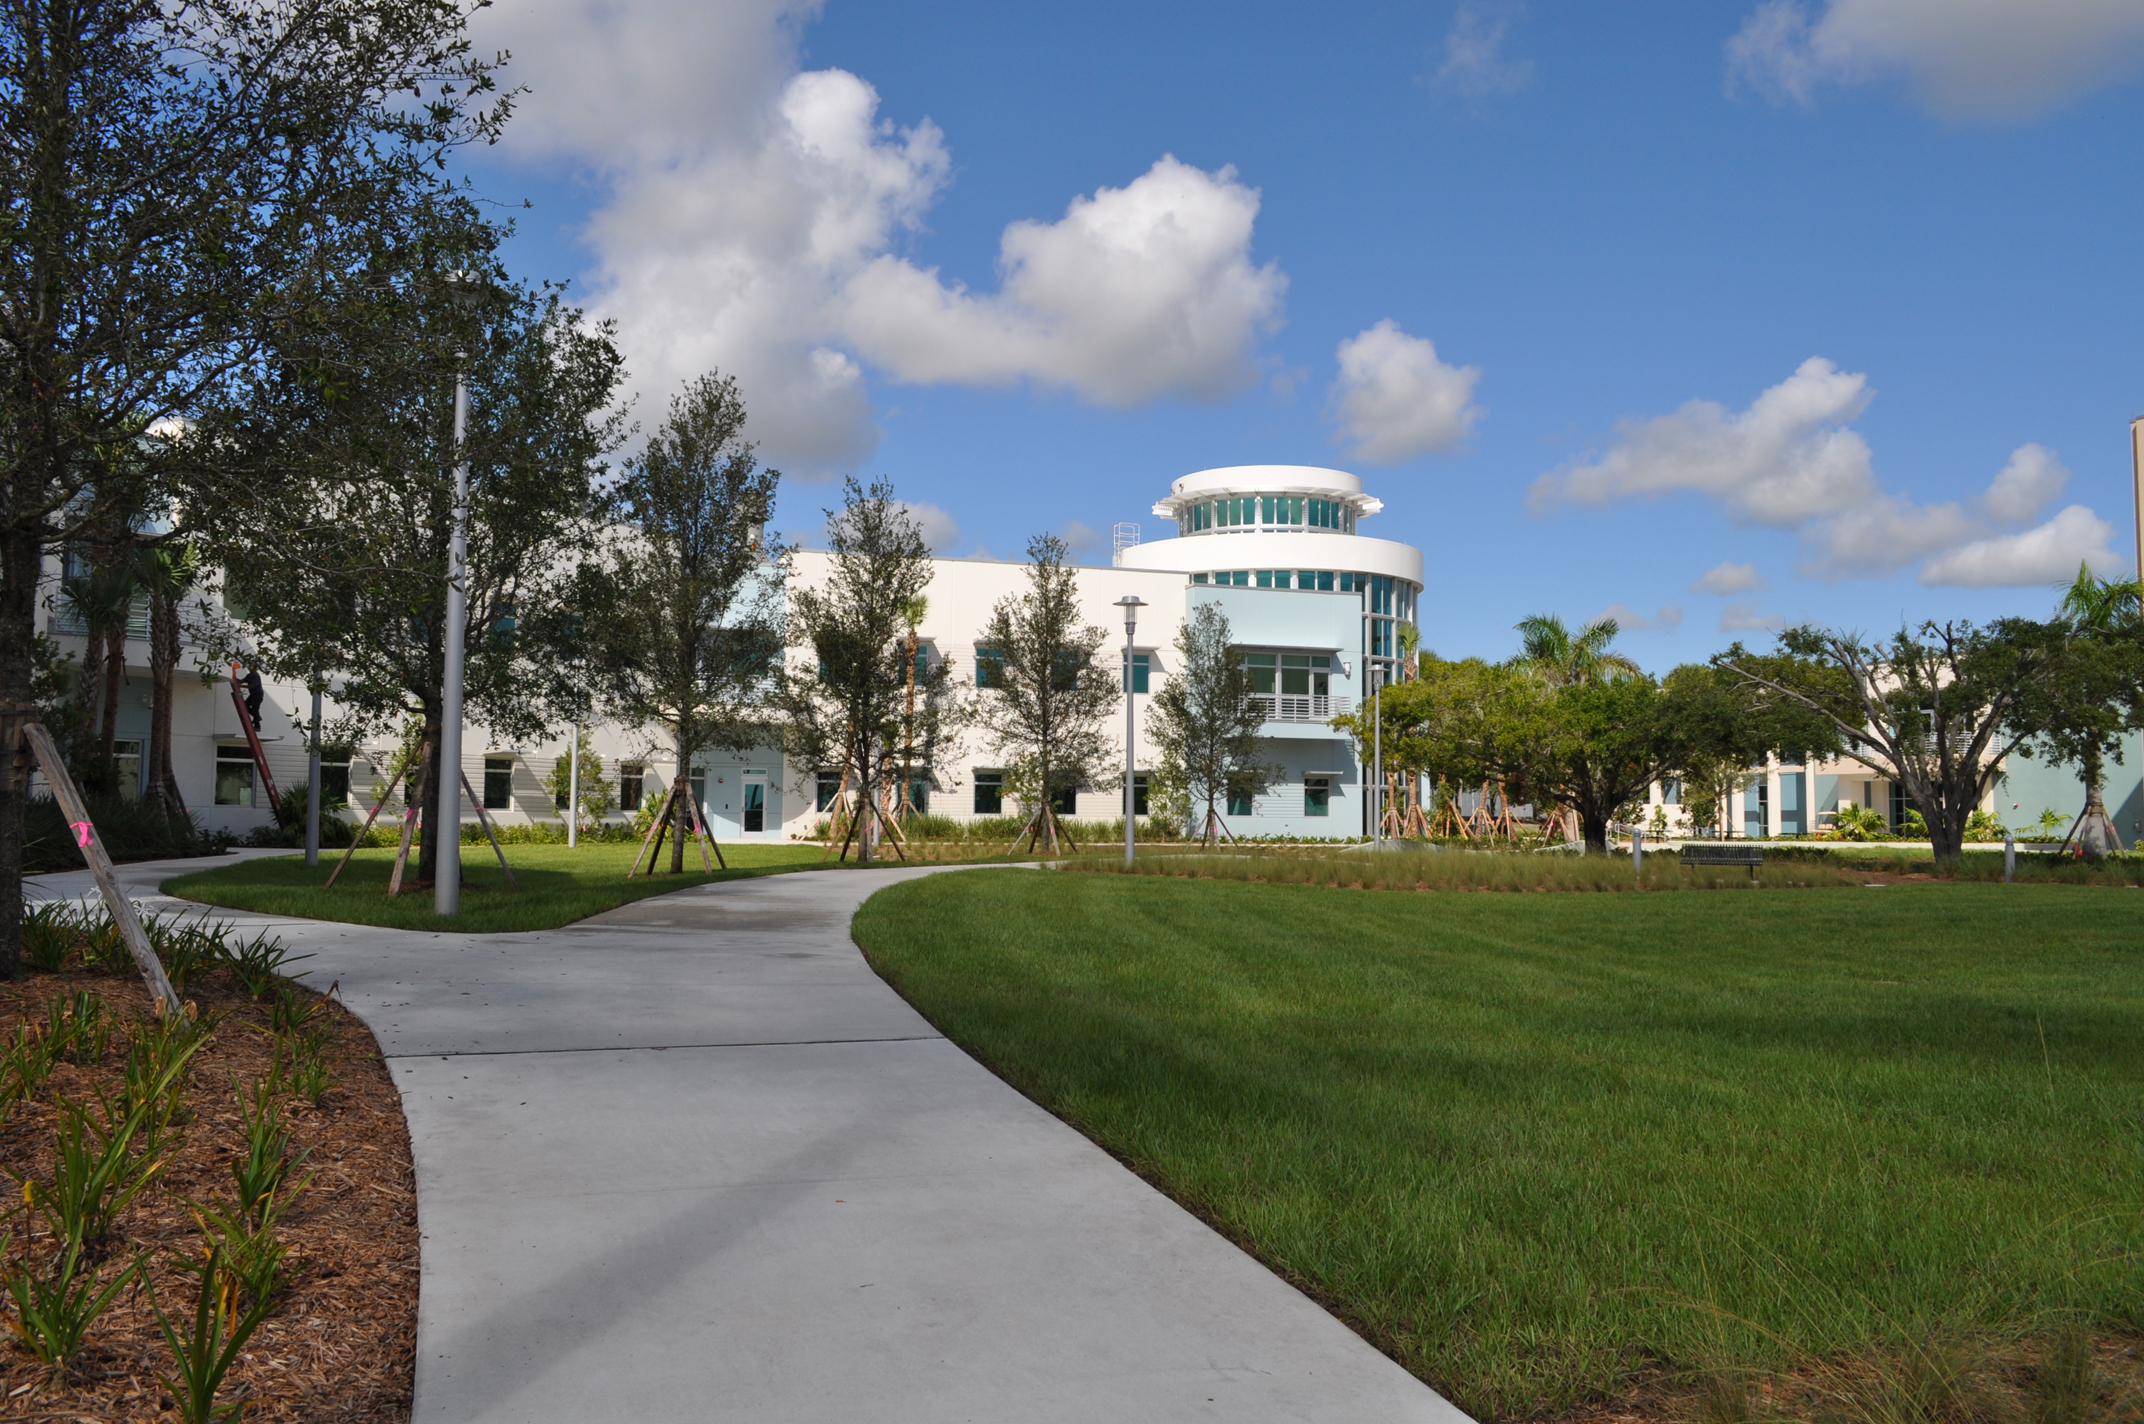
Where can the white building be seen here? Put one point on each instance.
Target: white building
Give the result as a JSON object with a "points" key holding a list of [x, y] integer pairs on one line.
{"points": [[1315, 605]]}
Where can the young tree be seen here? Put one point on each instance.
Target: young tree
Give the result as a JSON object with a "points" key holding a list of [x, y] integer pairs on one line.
{"points": [[2099, 694], [175, 177], [339, 561], [1048, 691], [844, 708], [1204, 722], [1935, 709], [597, 796], [168, 573], [682, 610]]}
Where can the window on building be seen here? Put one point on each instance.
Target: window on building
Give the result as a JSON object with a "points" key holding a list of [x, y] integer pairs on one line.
{"points": [[126, 766], [1139, 794], [1671, 793], [1142, 671], [990, 793], [1261, 668], [1264, 577], [1317, 796], [1241, 578], [1239, 800], [1325, 580], [234, 776], [1065, 801], [632, 776], [1198, 578], [989, 667], [498, 783], [1899, 806], [698, 781], [828, 788], [334, 776], [919, 791]]}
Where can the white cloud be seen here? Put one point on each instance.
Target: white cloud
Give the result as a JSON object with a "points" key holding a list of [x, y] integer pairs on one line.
{"points": [[940, 530], [1744, 618], [1727, 578], [1630, 620], [1968, 59], [1137, 292], [1474, 60], [1080, 537], [755, 215], [1789, 461], [2048, 554], [1395, 400]]}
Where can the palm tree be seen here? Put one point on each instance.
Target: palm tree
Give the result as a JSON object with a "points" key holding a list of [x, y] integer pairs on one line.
{"points": [[1563, 659], [167, 573], [2096, 607]]}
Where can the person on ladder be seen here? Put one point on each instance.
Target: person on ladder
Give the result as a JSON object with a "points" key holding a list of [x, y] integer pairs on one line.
{"points": [[254, 694]]}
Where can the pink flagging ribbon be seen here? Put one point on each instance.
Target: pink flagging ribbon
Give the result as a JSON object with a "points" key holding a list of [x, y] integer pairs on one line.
{"points": [[84, 833]]}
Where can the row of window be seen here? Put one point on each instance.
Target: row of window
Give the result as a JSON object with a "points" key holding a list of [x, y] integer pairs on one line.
{"points": [[1272, 511], [1306, 580], [1296, 674]]}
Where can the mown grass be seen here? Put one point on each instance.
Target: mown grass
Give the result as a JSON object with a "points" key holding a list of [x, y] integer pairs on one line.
{"points": [[1541, 1146], [1365, 869], [558, 885]]}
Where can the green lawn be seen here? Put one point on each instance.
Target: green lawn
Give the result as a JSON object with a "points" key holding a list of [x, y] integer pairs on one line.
{"points": [[1538, 1145], [558, 885]]}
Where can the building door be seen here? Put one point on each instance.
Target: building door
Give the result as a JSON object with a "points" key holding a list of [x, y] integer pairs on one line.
{"points": [[755, 802]]}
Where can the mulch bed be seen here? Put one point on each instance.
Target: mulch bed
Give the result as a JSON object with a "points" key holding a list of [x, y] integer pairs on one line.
{"points": [[341, 1344]]}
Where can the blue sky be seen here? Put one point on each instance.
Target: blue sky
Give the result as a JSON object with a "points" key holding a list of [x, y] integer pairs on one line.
{"points": [[1032, 264]]}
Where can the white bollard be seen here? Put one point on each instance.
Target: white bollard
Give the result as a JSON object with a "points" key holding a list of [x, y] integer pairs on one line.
{"points": [[2009, 856]]}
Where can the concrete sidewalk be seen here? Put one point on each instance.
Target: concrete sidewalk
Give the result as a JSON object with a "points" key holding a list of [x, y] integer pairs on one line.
{"points": [[693, 1160]]}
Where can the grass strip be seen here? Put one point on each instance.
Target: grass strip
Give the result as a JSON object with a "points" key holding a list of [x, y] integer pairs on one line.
{"points": [[558, 885], [1538, 1147]]}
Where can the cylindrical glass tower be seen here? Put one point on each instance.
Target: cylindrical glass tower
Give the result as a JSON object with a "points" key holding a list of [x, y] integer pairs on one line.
{"points": [[1290, 526]]}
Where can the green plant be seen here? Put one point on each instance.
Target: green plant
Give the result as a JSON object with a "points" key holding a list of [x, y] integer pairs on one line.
{"points": [[1856, 823], [188, 947], [77, 1026], [2050, 822], [263, 1169], [104, 948], [55, 1308], [2066, 1388], [202, 1356], [1913, 825], [155, 1082], [258, 963], [49, 932], [291, 1009], [25, 1062], [1984, 826], [251, 1253], [96, 1172]]}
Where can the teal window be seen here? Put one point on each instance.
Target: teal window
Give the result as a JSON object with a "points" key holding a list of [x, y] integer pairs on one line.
{"points": [[1261, 668], [698, 781], [498, 783], [1671, 793], [1325, 580], [1198, 578], [1241, 578], [989, 667], [1306, 578], [234, 776], [1142, 671], [919, 792], [1295, 509], [1265, 578], [990, 793], [1317, 796], [828, 787], [1239, 800]]}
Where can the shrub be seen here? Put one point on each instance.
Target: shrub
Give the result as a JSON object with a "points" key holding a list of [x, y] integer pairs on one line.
{"points": [[130, 830]]}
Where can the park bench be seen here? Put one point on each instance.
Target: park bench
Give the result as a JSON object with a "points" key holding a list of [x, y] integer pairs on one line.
{"points": [[1749, 855]]}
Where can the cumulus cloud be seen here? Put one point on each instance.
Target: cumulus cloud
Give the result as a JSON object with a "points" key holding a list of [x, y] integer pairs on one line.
{"points": [[1744, 618], [756, 215], [2048, 554], [1790, 461], [1474, 60], [1968, 59], [940, 530], [1727, 578], [1136, 292], [1630, 620], [1395, 400], [1080, 537]]}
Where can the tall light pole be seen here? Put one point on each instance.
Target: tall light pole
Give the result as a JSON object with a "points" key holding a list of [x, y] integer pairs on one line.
{"points": [[447, 886], [1131, 603], [2136, 476], [573, 791]]}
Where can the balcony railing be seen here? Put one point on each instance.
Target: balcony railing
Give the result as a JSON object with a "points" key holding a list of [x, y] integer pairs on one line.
{"points": [[1302, 707]]}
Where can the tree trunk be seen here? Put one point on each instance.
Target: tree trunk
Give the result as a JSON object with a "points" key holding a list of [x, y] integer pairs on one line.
{"points": [[115, 676], [163, 666], [22, 558], [679, 810], [428, 809], [88, 687], [1595, 828], [864, 825]]}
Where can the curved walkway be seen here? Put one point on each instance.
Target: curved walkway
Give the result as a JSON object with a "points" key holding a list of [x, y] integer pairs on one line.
{"points": [[692, 1160]]}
